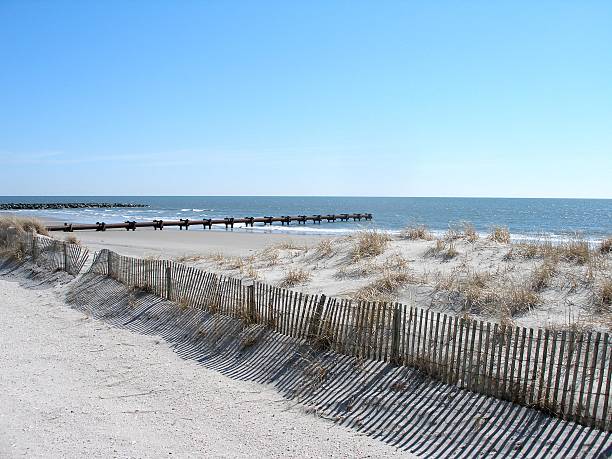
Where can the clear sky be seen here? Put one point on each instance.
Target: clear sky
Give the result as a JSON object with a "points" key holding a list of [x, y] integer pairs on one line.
{"points": [[376, 98]]}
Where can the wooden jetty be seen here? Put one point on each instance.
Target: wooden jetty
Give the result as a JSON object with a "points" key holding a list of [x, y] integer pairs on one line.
{"points": [[229, 222]]}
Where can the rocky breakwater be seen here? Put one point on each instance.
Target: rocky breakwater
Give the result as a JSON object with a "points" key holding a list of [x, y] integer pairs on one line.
{"points": [[64, 205]]}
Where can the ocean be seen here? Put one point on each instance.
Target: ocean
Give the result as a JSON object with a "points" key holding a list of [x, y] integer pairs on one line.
{"points": [[555, 219]]}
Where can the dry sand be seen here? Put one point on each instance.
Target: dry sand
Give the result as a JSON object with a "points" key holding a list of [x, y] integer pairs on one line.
{"points": [[72, 386], [483, 279]]}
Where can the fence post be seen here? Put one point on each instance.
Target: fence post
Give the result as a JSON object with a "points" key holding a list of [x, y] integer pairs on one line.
{"points": [[11, 237], [65, 257], [168, 283], [109, 267], [33, 247], [250, 312], [395, 338], [315, 322]]}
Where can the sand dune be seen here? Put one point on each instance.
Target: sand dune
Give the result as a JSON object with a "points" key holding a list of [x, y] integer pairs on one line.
{"points": [[481, 278]]}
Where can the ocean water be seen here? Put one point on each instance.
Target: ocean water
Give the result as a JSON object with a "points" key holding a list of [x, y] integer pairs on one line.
{"points": [[556, 219]]}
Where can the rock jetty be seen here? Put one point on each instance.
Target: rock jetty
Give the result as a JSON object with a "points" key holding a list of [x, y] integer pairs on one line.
{"points": [[64, 205]]}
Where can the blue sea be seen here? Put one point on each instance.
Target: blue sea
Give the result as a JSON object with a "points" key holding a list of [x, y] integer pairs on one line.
{"points": [[557, 219]]}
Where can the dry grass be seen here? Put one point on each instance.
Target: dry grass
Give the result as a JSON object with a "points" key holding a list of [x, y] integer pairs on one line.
{"points": [[542, 276], [576, 250], [482, 292], [464, 231], [251, 272], [395, 262], [500, 234], [436, 250], [23, 224], [450, 252], [528, 250], [469, 232], [16, 253], [471, 286], [475, 291], [606, 246], [519, 299], [216, 257], [325, 248], [452, 234], [414, 233], [443, 249], [289, 245], [369, 244], [295, 277], [234, 263], [357, 271], [72, 239], [189, 258], [603, 296], [384, 288], [269, 256]]}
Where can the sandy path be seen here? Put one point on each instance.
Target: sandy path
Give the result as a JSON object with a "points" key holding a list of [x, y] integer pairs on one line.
{"points": [[71, 386]]}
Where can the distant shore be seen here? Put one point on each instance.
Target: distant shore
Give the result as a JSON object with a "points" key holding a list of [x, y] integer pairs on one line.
{"points": [[67, 205]]}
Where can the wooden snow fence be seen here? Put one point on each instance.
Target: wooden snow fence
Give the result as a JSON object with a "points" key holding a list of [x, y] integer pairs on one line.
{"points": [[51, 254], [565, 373]]}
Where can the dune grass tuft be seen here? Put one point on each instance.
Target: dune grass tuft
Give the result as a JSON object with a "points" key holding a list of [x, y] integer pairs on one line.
{"points": [[500, 234], [269, 256], [603, 295], [444, 249], [189, 258], [295, 277], [469, 232], [369, 244], [576, 250], [606, 246], [72, 239], [395, 262], [289, 245], [414, 233], [478, 293], [325, 248], [385, 287], [542, 276], [23, 224], [519, 298]]}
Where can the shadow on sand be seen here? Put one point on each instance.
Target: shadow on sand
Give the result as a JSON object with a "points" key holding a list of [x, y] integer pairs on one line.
{"points": [[397, 405]]}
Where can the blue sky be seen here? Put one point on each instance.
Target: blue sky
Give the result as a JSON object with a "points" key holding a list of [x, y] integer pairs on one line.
{"points": [[306, 98]]}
